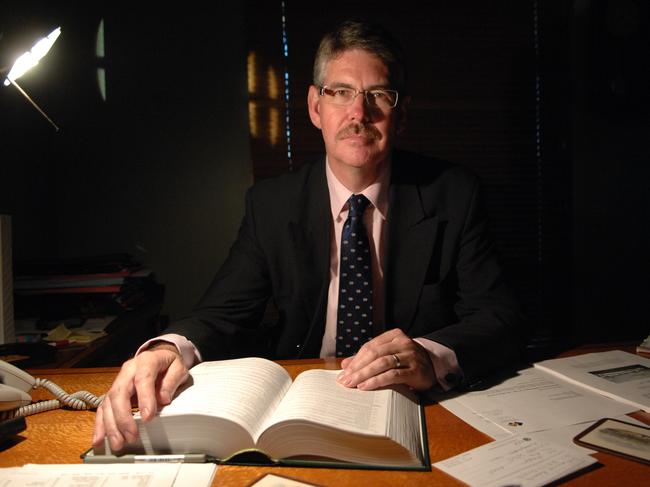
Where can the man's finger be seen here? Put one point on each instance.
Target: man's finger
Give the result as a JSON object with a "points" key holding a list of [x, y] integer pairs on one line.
{"points": [[115, 437], [143, 377], [390, 358], [363, 369], [387, 343], [175, 375], [380, 351], [150, 366], [118, 419], [98, 429], [387, 378]]}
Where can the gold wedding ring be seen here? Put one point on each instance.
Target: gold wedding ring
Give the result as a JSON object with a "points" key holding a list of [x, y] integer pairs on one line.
{"points": [[398, 364]]}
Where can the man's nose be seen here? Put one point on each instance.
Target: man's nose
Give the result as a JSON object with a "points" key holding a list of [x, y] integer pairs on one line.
{"points": [[359, 110]]}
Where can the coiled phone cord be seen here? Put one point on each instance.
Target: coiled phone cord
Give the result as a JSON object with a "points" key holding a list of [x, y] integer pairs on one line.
{"points": [[79, 400]]}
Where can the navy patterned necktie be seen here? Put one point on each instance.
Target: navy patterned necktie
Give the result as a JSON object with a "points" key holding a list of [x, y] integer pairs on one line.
{"points": [[354, 316]]}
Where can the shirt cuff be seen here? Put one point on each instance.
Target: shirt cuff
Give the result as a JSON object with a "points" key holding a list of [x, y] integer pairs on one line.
{"points": [[445, 364], [188, 352]]}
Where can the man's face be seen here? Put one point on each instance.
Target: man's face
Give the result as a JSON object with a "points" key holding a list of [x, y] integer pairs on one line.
{"points": [[358, 135]]}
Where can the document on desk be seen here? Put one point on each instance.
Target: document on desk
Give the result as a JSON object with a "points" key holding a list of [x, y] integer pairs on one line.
{"points": [[562, 436], [617, 374], [110, 475], [534, 400], [519, 460], [484, 425]]}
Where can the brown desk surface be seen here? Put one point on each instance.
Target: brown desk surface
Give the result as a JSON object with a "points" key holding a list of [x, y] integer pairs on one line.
{"points": [[61, 436]]}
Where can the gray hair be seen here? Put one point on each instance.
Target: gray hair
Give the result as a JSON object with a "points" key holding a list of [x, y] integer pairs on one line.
{"points": [[353, 34]]}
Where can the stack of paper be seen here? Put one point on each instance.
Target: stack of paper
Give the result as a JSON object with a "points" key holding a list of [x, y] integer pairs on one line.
{"points": [[531, 401], [619, 375], [538, 411]]}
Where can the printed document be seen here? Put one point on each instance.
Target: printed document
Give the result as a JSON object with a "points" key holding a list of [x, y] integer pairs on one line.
{"points": [[616, 374], [534, 400], [110, 475], [519, 460]]}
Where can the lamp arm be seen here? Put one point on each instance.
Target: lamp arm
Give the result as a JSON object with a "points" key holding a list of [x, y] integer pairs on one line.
{"points": [[22, 92]]}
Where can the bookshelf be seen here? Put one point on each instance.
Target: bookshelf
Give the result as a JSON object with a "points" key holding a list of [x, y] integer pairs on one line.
{"points": [[124, 335], [83, 312]]}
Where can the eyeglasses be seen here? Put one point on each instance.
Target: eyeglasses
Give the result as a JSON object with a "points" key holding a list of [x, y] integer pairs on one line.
{"points": [[379, 98]]}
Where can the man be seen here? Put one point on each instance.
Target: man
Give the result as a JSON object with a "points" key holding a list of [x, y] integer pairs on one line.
{"points": [[368, 242]]}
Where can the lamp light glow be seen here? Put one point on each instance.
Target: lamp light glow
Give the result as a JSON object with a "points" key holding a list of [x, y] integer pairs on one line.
{"points": [[27, 61], [31, 58]]}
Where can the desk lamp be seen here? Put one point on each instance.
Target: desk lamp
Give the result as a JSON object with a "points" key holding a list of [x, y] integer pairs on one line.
{"points": [[27, 61]]}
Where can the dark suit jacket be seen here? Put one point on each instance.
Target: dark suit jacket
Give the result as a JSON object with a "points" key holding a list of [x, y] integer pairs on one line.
{"points": [[442, 276]]}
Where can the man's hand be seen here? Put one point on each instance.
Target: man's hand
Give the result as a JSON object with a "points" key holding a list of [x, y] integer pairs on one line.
{"points": [[390, 358], [152, 378]]}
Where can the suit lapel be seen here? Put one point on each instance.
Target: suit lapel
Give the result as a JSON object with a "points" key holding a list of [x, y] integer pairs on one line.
{"points": [[310, 229], [411, 239]]}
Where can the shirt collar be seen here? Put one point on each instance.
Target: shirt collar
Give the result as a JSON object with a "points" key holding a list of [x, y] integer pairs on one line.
{"points": [[377, 192]]}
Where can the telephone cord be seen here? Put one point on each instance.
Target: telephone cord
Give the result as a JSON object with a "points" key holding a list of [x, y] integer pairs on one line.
{"points": [[79, 400]]}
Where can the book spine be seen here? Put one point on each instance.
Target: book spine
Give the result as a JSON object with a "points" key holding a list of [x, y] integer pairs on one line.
{"points": [[79, 280], [33, 285], [72, 290]]}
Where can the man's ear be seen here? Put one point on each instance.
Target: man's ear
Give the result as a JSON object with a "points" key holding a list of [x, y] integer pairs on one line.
{"points": [[313, 104], [402, 114]]}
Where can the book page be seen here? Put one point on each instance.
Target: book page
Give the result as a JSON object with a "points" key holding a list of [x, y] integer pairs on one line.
{"points": [[316, 396], [245, 391]]}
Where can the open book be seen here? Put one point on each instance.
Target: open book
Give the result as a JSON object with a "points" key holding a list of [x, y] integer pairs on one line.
{"points": [[619, 375], [231, 407]]}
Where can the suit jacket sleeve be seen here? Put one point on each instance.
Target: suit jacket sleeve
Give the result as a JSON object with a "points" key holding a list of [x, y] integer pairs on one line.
{"points": [[281, 253], [225, 322]]}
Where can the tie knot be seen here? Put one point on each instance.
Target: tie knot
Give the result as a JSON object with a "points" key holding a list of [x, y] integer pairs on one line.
{"points": [[357, 204]]}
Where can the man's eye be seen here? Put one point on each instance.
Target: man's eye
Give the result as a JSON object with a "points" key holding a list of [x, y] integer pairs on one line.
{"points": [[342, 93], [378, 95]]}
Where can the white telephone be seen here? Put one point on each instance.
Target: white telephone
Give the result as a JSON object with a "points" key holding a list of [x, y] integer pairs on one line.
{"points": [[16, 402]]}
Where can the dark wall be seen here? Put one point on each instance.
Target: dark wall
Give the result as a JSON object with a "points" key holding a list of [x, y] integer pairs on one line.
{"points": [[26, 169], [611, 169], [159, 168]]}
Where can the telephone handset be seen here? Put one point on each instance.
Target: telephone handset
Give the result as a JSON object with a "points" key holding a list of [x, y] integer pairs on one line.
{"points": [[14, 384], [16, 402], [11, 398]]}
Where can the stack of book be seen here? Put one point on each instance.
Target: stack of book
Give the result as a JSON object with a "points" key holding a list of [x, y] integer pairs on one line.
{"points": [[81, 288]]}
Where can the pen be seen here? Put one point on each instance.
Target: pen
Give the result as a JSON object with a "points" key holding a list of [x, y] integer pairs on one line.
{"points": [[183, 458]]}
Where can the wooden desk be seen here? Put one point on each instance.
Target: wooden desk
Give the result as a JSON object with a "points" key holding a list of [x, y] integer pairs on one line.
{"points": [[61, 436]]}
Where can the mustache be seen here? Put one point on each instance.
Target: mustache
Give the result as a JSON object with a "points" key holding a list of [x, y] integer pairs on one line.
{"points": [[355, 128]]}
